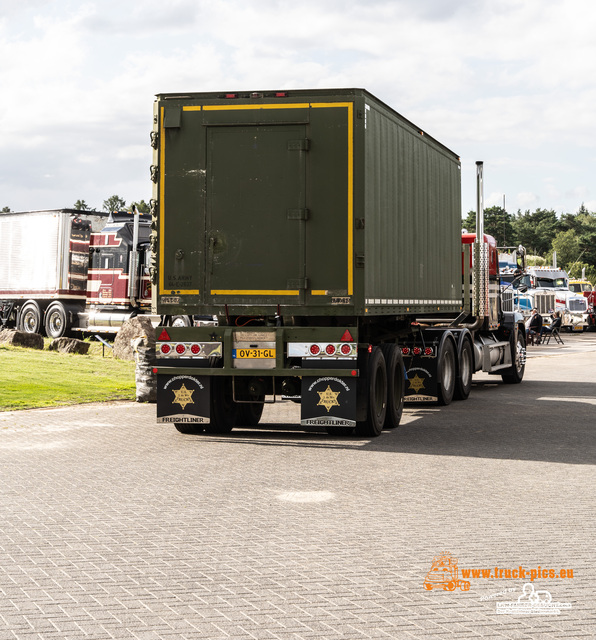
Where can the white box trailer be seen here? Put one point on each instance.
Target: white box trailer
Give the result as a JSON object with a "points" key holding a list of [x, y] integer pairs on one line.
{"points": [[45, 254]]}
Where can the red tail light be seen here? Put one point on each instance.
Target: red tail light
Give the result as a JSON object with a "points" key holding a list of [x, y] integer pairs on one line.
{"points": [[180, 349], [405, 351], [416, 351], [315, 349], [345, 349], [330, 350], [195, 349], [165, 349]]}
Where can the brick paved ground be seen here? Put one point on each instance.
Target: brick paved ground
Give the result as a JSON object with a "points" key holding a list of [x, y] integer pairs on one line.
{"points": [[115, 527]]}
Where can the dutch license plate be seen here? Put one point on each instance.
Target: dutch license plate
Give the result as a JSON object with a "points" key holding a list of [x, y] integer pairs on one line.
{"points": [[253, 353]]}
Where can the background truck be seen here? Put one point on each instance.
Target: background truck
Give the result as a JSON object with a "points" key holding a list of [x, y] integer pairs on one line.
{"points": [[323, 230], [583, 287], [66, 270], [547, 289]]}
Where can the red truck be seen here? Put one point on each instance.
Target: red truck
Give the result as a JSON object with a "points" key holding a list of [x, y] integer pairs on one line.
{"points": [[65, 271]]}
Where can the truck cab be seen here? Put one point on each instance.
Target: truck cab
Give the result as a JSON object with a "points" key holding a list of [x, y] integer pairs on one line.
{"points": [[118, 284]]}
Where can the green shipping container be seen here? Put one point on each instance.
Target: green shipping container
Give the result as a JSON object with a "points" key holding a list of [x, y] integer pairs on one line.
{"points": [[310, 203]]}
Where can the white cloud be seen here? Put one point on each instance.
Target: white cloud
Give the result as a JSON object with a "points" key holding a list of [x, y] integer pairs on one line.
{"points": [[507, 82]]}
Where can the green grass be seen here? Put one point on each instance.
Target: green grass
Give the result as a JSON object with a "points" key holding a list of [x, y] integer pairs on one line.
{"points": [[30, 378]]}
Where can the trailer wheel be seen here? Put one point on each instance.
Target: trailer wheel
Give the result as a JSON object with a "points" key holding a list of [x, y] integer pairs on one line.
{"points": [[30, 318], [189, 428], [56, 321], [396, 385], [224, 410], [376, 380], [249, 413], [446, 370], [463, 382], [515, 374]]}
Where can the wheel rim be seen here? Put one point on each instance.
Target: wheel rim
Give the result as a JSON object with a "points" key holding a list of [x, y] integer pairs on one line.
{"points": [[448, 370], [31, 321], [466, 366], [179, 322], [55, 323], [520, 356]]}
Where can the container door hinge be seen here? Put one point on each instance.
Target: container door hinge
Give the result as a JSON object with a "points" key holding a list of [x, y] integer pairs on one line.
{"points": [[298, 283], [298, 214], [299, 145], [360, 260]]}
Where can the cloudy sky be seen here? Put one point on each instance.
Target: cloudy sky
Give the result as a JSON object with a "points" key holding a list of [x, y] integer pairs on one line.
{"points": [[509, 82]]}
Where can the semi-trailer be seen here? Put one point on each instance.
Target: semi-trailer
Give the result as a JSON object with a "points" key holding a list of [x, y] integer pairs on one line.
{"points": [[323, 229]]}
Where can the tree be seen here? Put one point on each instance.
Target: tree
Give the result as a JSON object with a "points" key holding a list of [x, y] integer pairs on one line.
{"points": [[5, 209], [141, 206], [469, 222], [566, 244], [536, 230], [497, 223], [81, 205], [575, 271], [114, 203]]}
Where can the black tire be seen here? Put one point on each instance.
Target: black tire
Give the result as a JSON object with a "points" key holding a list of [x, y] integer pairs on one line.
{"points": [[249, 413], [56, 321], [396, 385], [30, 318], [191, 428], [515, 374], [224, 411], [465, 370], [446, 372], [376, 388]]}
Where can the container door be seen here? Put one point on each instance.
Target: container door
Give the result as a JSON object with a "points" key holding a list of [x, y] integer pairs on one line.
{"points": [[256, 213]]}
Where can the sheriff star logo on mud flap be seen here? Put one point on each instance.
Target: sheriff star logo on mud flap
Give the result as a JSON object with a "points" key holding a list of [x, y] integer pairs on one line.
{"points": [[328, 398], [183, 396], [416, 383]]}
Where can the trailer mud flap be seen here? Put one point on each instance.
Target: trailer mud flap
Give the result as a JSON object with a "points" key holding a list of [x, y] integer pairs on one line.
{"points": [[183, 398], [329, 401], [421, 381]]}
